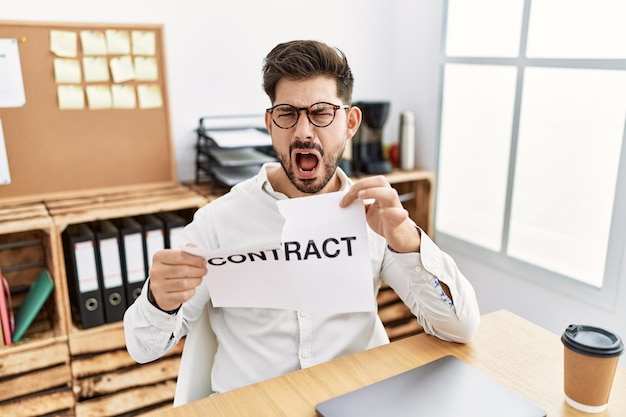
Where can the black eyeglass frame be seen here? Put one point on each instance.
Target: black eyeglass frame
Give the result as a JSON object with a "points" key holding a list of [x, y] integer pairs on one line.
{"points": [[298, 110]]}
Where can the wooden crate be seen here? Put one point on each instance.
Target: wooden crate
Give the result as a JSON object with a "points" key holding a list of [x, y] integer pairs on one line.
{"points": [[35, 379], [117, 204], [398, 320], [136, 201], [205, 189], [28, 244], [416, 189], [59, 403], [34, 372], [107, 381]]}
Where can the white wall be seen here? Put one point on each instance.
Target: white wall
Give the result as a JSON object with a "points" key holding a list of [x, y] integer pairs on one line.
{"points": [[215, 51]]}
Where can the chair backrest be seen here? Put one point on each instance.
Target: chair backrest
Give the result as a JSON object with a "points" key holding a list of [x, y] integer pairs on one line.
{"points": [[196, 362], [380, 334]]}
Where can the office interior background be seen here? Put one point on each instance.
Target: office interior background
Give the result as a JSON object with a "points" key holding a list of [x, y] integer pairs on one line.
{"points": [[215, 49]]}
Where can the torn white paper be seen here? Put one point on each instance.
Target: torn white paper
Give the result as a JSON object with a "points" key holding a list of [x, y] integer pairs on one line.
{"points": [[321, 264]]}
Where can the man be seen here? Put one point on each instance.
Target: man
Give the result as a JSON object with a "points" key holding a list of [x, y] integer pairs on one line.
{"points": [[310, 122]]}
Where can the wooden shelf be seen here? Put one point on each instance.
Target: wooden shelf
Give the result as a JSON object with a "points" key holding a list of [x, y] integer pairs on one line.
{"points": [[35, 376], [123, 204]]}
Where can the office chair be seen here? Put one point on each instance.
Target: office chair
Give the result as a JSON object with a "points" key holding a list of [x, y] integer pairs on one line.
{"points": [[196, 362]]}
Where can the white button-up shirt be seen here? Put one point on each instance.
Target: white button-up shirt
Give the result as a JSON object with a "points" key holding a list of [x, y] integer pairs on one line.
{"points": [[255, 344]]}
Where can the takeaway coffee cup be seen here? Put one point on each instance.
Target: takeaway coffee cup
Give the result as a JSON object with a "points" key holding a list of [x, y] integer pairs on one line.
{"points": [[590, 359]]}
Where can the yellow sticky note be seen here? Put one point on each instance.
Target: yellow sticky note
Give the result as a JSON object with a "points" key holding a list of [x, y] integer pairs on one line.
{"points": [[146, 68], [67, 70], [71, 97], [123, 96], [99, 97], [149, 96], [93, 42], [143, 42]]}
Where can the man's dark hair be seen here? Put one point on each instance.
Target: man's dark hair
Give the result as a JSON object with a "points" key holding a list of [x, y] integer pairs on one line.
{"points": [[304, 59]]}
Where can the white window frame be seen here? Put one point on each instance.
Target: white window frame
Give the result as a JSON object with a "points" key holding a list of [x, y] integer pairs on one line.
{"points": [[615, 265]]}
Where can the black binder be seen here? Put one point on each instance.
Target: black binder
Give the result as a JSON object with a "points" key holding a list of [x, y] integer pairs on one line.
{"points": [[173, 225], [131, 257], [153, 237], [82, 275], [109, 269]]}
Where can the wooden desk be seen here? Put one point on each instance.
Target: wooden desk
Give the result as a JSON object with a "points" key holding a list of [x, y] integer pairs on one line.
{"points": [[515, 352]]}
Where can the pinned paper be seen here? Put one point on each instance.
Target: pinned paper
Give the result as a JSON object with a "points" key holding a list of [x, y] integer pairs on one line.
{"points": [[149, 96], [143, 42], [5, 174], [96, 69], [123, 96], [118, 42], [93, 42], [146, 69], [122, 69], [99, 97], [71, 97], [67, 70], [63, 43], [11, 82], [321, 264]]}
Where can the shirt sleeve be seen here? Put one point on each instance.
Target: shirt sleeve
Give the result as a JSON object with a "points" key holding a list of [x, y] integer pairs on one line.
{"points": [[417, 279], [150, 332]]}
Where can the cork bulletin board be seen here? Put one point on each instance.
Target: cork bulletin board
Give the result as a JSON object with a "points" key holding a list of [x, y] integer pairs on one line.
{"points": [[54, 148]]}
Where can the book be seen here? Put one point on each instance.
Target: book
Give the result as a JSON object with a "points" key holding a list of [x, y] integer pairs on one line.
{"points": [[34, 301]]}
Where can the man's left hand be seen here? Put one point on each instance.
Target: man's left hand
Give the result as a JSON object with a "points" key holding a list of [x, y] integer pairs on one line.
{"points": [[385, 213]]}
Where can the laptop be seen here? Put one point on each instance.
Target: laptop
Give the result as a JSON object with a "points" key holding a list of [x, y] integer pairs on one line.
{"points": [[446, 387]]}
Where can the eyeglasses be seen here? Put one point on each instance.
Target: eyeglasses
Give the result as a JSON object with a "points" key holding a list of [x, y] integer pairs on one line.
{"points": [[320, 114]]}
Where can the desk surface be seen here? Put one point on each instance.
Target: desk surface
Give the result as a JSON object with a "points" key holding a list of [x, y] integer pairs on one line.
{"points": [[519, 354]]}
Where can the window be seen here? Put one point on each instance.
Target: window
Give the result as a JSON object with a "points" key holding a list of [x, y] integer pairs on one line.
{"points": [[531, 138]]}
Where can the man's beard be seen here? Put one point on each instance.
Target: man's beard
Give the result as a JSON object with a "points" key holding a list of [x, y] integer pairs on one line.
{"points": [[329, 162]]}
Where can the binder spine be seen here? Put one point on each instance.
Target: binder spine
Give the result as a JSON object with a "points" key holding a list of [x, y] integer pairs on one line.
{"points": [[153, 238], [82, 275], [109, 270], [131, 257], [173, 227]]}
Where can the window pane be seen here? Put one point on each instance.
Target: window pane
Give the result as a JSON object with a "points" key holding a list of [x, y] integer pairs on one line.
{"points": [[477, 115], [484, 28], [577, 29], [571, 129]]}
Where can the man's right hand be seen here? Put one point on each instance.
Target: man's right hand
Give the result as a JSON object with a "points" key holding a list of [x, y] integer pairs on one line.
{"points": [[174, 276]]}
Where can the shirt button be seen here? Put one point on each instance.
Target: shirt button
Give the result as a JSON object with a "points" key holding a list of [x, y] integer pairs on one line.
{"points": [[418, 269], [304, 354]]}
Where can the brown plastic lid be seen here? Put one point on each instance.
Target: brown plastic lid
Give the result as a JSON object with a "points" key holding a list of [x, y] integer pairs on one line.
{"points": [[592, 341]]}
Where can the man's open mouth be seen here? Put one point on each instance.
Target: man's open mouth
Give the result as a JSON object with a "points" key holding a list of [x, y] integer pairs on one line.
{"points": [[306, 161]]}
